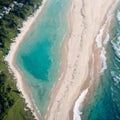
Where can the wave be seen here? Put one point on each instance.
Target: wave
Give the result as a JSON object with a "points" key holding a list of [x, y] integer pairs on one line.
{"points": [[118, 16], [116, 46], [78, 105], [106, 39], [92, 71], [104, 59], [101, 32], [116, 78], [118, 60], [99, 37], [103, 54]]}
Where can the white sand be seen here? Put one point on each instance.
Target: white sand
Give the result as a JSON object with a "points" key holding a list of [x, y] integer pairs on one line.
{"points": [[87, 17], [10, 59]]}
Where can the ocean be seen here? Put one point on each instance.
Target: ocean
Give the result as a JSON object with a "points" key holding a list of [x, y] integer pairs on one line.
{"points": [[104, 103], [38, 56]]}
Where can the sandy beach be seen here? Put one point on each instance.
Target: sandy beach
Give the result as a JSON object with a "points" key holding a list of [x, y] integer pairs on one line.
{"points": [[10, 59], [86, 19]]}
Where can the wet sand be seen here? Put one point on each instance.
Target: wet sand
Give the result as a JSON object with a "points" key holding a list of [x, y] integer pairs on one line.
{"points": [[86, 18]]}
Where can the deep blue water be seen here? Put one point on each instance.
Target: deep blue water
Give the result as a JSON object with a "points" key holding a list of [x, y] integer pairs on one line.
{"points": [[38, 57], [104, 103]]}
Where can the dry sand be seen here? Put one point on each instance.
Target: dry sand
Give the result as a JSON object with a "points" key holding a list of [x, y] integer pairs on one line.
{"points": [[87, 17], [10, 59]]}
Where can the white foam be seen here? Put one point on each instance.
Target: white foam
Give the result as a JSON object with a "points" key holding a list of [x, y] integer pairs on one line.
{"points": [[99, 37], [112, 73], [118, 38], [116, 80], [116, 46], [101, 32], [78, 105], [117, 59], [103, 58], [106, 39], [118, 15], [118, 53], [92, 71]]}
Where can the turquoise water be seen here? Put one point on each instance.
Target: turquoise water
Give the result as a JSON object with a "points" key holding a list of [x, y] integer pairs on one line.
{"points": [[38, 56], [105, 100]]}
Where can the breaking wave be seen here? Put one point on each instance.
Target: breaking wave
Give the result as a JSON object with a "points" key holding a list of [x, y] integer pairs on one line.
{"points": [[118, 15], [106, 39], [78, 105], [104, 59], [103, 53], [99, 37], [101, 32], [100, 43], [116, 46]]}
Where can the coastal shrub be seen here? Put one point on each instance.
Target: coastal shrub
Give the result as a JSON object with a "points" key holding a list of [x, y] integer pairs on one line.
{"points": [[11, 104]]}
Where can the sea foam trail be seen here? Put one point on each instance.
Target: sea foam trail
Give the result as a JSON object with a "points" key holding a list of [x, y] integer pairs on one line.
{"points": [[104, 59], [116, 43], [99, 37], [99, 44], [78, 105], [103, 53], [106, 39], [118, 15], [101, 32], [116, 46], [80, 100], [92, 71]]}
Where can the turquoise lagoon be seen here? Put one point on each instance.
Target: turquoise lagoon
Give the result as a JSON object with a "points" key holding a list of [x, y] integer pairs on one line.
{"points": [[38, 56]]}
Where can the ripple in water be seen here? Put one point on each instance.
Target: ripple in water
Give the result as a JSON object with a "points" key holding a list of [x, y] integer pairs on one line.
{"points": [[104, 102]]}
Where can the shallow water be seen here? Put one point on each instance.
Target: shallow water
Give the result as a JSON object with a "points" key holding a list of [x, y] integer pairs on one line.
{"points": [[104, 102], [38, 57]]}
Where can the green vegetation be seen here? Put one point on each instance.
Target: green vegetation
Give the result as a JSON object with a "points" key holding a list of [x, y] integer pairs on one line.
{"points": [[11, 104], [11, 18]]}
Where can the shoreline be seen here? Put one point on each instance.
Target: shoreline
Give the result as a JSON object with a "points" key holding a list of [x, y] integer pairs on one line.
{"points": [[92, 77], [69, 67], [61, 102], [10, 60], [97, 65], [63, 49], [95, 68], [100, 65]]}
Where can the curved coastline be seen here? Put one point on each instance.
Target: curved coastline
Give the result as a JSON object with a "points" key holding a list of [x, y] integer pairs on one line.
{"points": [[66, 84], [10, 59], [73, 80], [99, 43]]}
